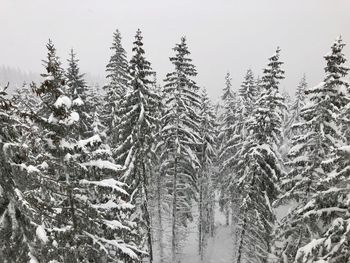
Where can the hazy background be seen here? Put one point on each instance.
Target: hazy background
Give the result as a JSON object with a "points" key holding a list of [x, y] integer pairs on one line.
{"points": [[223, 35]]}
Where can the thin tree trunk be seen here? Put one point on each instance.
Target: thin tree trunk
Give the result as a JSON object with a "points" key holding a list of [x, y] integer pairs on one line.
{"points": [[240, 247], [160, 222], [147, 214], [173, 227], [200, 223]]}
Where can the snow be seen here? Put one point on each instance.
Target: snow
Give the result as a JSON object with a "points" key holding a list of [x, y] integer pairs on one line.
{"points": [[89, 141], [110, 204], [63, 101], [108, 183], [114, 224], [41, 234], [78, 102], [219, 248], [345, 148], [102, 164], [32, 259]]}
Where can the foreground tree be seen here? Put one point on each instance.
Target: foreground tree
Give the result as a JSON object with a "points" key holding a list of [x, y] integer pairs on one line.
{"points": [[19, 219], [85, 212], [310, 180]]}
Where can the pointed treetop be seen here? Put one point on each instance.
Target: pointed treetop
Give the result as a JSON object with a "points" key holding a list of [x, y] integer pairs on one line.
{"points": [[273, 72], [300, 92], [227, 91], [75, 80], [335, 69]]}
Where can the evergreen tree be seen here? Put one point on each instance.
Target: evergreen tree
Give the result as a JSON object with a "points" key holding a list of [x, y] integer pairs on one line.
{"points": [[138, 127], [225, 139], [297, 105], [117, 88], [180, 139], [227, 91], [77, 90], [19, 218], [85, 211], [248, 91], [206, 156], [309, 179], [258, 167]]}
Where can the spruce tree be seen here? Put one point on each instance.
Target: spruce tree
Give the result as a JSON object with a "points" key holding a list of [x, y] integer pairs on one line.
{"points": [[225, 139], [180, 131], [206, 155], [117, 88], [86, 211], [297, 105], [309, 182], [77, 90], [137, 128], [19, 218], [258, 168]]}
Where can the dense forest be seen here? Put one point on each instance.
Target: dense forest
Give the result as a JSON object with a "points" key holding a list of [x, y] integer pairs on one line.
{"points": [[117, 173]]}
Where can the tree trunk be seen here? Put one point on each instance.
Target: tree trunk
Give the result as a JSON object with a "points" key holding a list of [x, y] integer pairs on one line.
{"points": [[173, 227], [240, 247], [200, 223], [159, 206], [147, 214]]}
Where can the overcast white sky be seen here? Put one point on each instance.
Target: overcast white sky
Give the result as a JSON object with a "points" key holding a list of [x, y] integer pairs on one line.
{"points": [[223, 35]]}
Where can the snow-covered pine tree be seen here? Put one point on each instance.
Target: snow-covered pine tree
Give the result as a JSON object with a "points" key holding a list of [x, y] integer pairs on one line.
{"points": [[296, 106], [158, 188], [116, 89], [25, 99], [180, 140], [85, 215], [227, 92], [309, 182], [19, 219], [206, 155], [248, 92], [225, 139], [77, 90], [138, 128], [258, 168]]}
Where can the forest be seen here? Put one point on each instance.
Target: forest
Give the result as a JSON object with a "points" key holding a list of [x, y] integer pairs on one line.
{"points": [[119, 172]]}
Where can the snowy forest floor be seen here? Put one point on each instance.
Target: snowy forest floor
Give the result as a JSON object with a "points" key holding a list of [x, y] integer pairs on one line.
{"points": [[219, 248]]}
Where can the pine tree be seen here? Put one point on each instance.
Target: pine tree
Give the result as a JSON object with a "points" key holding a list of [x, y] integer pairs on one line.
{"points": [[248, 91], [309, 181], [117, 88], [77, 90], [19, 218], [225, 139], [180, 139], [227, 91], [297, 105], [206, 156], [258, 168], [138, 127], [86, 211]]}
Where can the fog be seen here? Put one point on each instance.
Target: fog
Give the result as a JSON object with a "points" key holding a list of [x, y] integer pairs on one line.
{"points": [[222, 35]]}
